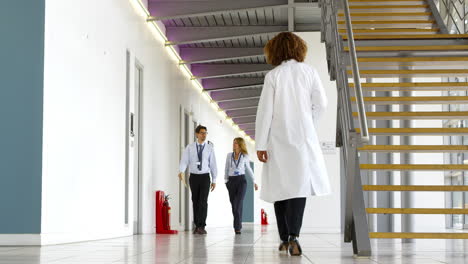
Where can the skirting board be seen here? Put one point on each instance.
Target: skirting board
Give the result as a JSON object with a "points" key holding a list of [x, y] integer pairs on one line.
{"points": [[54, 239], [20, 240]]}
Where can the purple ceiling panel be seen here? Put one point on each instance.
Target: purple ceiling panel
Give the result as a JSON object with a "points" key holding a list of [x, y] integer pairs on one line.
{"points": [[247, 126], [241, 112], [239, 104]]}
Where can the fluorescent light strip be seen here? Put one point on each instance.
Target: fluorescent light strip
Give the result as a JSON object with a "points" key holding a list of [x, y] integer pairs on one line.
{"points": [[158, 33]]}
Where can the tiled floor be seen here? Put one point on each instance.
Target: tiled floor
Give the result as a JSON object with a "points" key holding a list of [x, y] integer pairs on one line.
{"points": [[221, 245]]}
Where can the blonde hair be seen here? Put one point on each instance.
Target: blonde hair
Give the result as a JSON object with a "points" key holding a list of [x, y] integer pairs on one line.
{"points": [[241, 142]]}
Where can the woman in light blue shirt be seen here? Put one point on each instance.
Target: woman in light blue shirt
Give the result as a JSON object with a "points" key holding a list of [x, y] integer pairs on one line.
{"points": [[237, 166]]}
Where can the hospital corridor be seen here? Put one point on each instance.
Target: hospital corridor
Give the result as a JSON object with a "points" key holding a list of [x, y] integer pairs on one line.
{"points": [[219, 131]]}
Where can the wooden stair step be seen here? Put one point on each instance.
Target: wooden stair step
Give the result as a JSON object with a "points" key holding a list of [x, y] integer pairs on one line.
{"points": [[355, 16], [415, 148], [417, 36], [391, 31], [415, 100], [383, 1], [443, 131], [458, 60], [363, 24], [410, 48], [415, 73], [387, 8], [416, 211], [394, 3], [414, 115], [419, 235], [421, 188], [421, 86], [417, 21], [391, 8], [415, 167]]}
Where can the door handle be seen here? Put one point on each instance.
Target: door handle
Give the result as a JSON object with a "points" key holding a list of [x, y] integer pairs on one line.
{"points": [[132, 130]]}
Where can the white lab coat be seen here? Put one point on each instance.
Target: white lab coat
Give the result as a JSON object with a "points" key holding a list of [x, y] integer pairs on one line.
{"points": [[292, 100]]}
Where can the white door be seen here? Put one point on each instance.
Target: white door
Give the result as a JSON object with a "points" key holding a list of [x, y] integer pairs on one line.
{"points": [[185, 204], [133, 180]]}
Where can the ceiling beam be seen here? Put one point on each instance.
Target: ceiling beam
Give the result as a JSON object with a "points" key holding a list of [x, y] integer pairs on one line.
{"points": [[229, 105], [221, 83], [163, 10], [205, 55], [241, 112], [306, 27], [235, 94], [222, 10], [291, 20], [211, 91], [204, 71], [240, 108], [192, 35], [234, 99], [244, 120], [243, 116], [166, 10]]}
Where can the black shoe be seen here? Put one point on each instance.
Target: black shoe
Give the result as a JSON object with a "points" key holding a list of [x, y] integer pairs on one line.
{"points": [[238, 232], [294, 246], [196, 231], [202, 231], [283, 246]]}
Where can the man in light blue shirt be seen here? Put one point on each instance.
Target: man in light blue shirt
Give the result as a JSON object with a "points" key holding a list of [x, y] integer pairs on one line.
{"points": [[199, 157]]}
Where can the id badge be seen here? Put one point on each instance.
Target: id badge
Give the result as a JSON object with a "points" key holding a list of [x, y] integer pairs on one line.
{"points": [[198, 163], [236, 172]]}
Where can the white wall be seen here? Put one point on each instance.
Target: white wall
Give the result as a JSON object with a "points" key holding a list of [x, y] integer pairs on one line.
{"points": [[84, 121], [322, 214]]}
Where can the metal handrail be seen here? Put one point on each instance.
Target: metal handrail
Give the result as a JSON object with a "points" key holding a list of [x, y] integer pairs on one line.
{"points": [[355, 224], [356, 76]]}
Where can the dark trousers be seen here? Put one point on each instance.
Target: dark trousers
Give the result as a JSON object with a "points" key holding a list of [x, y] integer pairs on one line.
{"points": [[289, 214], [236, 187], [200, 187]]}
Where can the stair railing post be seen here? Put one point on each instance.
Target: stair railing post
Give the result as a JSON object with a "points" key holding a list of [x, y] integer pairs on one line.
{"points": [[439, 21]]}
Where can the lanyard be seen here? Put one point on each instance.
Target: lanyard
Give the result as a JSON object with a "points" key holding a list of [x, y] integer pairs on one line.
{"points": [[238, 161]]}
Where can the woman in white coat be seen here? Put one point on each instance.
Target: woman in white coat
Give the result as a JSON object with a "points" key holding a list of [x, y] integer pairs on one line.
{"points": [[291, 102]]}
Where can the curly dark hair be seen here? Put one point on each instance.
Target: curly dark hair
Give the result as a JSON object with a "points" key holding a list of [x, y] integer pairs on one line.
{"points": [[285, 46]]}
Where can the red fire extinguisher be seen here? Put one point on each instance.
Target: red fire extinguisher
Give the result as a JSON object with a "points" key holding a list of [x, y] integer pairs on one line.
{"points": [[264, 217], [163, 214]]}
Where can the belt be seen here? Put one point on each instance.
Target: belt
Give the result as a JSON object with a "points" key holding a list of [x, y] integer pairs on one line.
{"points": [[242, 175], [202, 174]]}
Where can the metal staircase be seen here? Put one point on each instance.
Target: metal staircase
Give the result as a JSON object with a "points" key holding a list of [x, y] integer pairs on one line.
{"points": [[377, 51]]}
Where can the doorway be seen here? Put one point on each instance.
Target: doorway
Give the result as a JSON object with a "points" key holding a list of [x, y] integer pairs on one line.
{"points": [[187, 136], [248, 205], [133, 179]]}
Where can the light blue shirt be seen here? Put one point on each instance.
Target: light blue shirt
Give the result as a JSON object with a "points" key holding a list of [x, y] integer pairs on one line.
{"points": [[244, 167], [190, 159]]}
